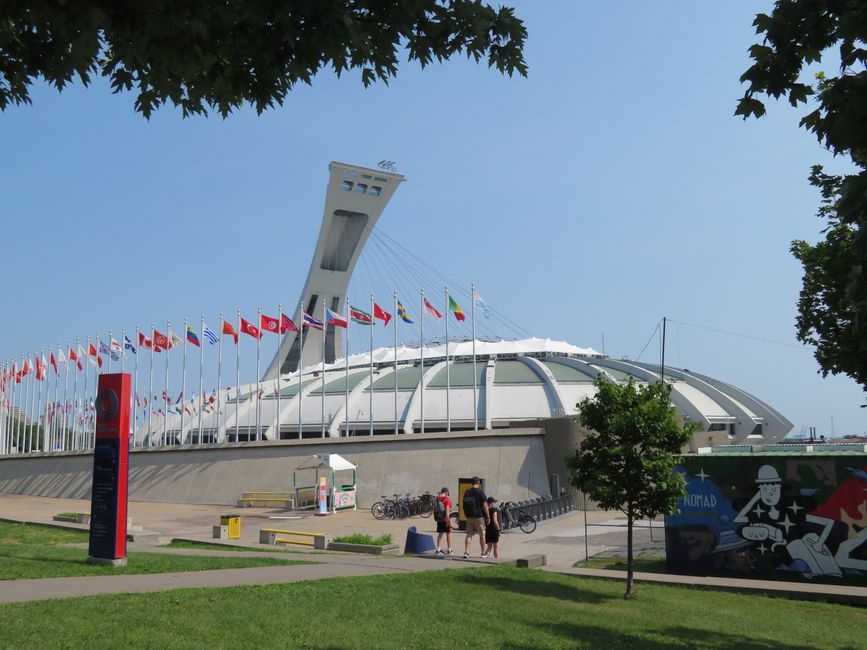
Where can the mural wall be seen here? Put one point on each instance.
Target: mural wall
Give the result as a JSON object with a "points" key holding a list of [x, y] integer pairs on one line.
{"points": [[786, 517]]}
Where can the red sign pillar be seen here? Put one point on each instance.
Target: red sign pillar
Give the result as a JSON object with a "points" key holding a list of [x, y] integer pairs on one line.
{"points": [[108, 501]]}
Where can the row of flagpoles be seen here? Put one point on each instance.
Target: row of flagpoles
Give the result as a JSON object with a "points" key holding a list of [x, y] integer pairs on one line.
{"points": [[68, 423]]}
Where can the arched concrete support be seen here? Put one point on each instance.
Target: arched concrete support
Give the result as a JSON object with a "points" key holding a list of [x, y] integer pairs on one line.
{"points": [[585, 367], [338, 422], [413, 410], [552, 389]]}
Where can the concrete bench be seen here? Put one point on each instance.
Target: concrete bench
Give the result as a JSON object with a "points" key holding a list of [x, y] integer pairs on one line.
{"points": [[531, 561], [266, 499], [275, 536]]}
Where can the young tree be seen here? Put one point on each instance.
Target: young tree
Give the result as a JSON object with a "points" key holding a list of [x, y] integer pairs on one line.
{"points": [[833, 304], [222, 54], [627, 460]]}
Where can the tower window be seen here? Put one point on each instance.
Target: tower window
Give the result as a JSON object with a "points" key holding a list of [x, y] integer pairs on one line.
{"points": [[346, 186], [361, 188], [375, 190]]}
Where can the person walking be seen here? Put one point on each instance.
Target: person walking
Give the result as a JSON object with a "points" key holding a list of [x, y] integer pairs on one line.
{"points": [[475, 504], [442, 515], [492, 530]]}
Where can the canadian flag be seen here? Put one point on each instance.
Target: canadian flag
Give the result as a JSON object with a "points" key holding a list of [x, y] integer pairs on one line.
{"points": [[269, 324], [248, 328]]}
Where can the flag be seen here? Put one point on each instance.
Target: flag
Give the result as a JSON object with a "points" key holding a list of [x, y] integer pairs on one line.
{"points": [[269, 324], [61, 358], [309, 321], [128, 344], [115, 346], [481, 302], [250, 329], [40, 369], [93, 355], [25, 369], [137, 400], [228, 329], [430, 309], [174, 339], [456, 308], [333, 318], [192, 337], [401, 311], [359, 316], [105, 349], [166, 396], [145, 342], [381, 314], [286, 324], [180, 397], [160, 341], [208, 334], [53, 362], [75, 357]]}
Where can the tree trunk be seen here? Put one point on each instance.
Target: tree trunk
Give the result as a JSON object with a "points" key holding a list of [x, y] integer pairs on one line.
{"points": [[630, 588]]}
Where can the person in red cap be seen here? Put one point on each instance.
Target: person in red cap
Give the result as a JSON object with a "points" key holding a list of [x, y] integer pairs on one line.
{"points": [[442, 515]]}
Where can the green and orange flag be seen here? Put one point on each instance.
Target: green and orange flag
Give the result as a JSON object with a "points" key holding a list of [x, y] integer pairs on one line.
{"points": [[456, 308]]}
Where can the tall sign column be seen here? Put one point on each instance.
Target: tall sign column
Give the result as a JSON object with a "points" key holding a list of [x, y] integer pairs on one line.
{"points": [[108, 501]]}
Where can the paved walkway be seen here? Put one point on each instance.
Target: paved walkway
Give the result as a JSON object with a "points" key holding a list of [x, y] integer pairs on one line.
{"points": [[560, 540]]}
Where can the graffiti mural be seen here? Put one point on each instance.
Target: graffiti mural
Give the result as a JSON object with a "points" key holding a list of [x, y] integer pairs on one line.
{"points": [[772, 516]]}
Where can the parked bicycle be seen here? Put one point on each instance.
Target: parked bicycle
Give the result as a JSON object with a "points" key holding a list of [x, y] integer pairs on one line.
{"points": [[515, 516], [395, 508]]}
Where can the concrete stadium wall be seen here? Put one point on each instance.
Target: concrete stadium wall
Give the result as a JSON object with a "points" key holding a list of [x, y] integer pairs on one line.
{"points": [[511, 461]]}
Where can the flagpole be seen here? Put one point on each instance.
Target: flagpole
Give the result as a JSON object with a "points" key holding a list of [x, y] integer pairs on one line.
{"points": [[184, 379], [166, 395], [151, 391], [300, 367], [324, 331], [38, 409], [370, 381], [395, 361], [201, 377], [258, 380], [238, 379], [421, 353], [64, 427], [134, 384], [25, 445], [280, 337], [219, 379], [346, 357], [109, 351], [448, 375], [475, 372], [73, 441], [22, 408], [54, 420]]}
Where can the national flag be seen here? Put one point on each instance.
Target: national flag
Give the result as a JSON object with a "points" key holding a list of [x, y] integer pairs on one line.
{"points": [[208, 334], [381, 314], [315, 323], [333, 318], [53, 362], [105, 349], [192, 337], [137, 400], [401, 311], [127, 344], [61, 358], [40, 369], [160, 341], [115, 346], [25, 369], [269, 324], [480, 301], [456, 308], [228, 329], [174, 339], [93, 355], [287, 324], [145, 342], [251, 330], [75, 357], [359, 316], [180, 397], [166, 397], [430, 309]]}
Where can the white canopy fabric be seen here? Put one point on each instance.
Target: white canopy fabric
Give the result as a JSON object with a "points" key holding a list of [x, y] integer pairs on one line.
{"points": [[335, 462]]}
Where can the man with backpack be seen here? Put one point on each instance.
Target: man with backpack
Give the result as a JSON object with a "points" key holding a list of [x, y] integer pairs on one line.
{"points": [[442, 515], [475, 504]]}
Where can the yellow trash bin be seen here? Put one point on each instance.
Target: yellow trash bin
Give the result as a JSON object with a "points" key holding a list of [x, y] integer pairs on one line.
{"points": [[234, 524]]}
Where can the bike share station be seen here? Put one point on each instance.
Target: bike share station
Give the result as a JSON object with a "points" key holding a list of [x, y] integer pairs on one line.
{"points": [[326, 483]]}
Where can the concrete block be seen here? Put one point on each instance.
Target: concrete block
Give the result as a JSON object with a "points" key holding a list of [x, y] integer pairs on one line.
{"points": [[221, 532], [531, 561], [265, 537]]}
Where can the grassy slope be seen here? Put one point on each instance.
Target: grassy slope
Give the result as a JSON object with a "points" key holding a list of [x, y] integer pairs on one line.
{"points": [[485, 608]]}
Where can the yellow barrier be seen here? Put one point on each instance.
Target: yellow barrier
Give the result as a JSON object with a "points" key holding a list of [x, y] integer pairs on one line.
{"points": [[273, 536]]}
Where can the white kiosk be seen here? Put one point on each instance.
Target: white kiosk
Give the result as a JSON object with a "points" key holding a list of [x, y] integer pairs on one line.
{"points": [[331, 488]]}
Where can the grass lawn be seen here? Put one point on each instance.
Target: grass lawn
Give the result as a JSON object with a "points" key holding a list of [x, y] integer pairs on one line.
{"points": [[498, 607], [28, 551], [205, 546]]}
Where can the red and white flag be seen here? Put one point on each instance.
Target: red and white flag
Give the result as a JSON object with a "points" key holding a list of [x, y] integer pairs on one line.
{"points": [[430, 309], [381, 314], [269, 324], [53, 363], [40, 369], [160, 341], [228, 329], [333, 318], [287, 325], [93, 355], [248, 328], [76, 357], [145, 342]]}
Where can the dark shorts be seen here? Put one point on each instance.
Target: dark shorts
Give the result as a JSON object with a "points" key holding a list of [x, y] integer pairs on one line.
{"points": [[492, 535], [443, 527]]}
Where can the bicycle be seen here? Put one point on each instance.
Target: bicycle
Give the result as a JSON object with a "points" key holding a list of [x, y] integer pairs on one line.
{"points": [[513, 516], [395, 508]]}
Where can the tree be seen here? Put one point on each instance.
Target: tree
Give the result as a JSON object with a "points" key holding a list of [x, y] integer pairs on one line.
{"points": [[222, 54], [832, 310], [627, 460]]}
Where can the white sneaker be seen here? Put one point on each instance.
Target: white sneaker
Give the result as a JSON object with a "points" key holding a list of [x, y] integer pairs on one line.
{"points": [[451, 552], [466, 556], [486, 555], [440, 551]]}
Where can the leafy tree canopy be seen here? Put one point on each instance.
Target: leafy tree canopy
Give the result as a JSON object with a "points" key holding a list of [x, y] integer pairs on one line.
{"points": [[627, 460], [200, 54], [833, 303]]}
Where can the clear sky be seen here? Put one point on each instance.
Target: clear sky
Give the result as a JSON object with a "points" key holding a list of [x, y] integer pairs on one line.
{"points": [[610, 188]]}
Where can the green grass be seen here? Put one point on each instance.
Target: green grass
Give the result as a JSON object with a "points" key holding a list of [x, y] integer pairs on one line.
{"points": [[30, 551], [205, 546], [359, 538], [498, 607]]}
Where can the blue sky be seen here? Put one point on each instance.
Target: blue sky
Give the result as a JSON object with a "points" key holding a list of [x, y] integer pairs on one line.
{"points": [[610, 188]]}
